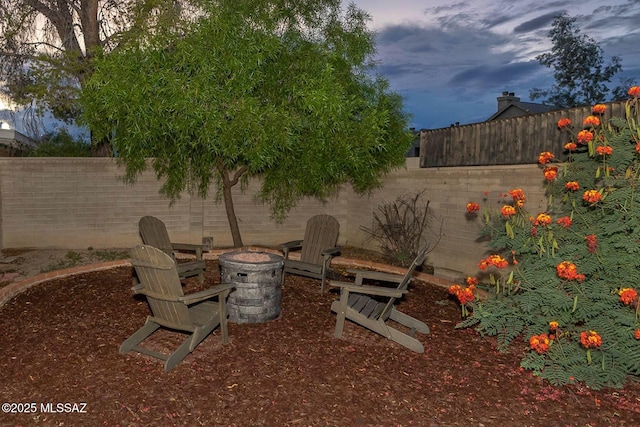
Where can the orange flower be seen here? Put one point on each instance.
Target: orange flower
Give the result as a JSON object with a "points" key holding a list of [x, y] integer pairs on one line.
{"points": [[563, 123], [553, 325], [628, 295], [565, 221], [497, 261], [493, 261], [473, 207], [471, 281], [590, 339], [599, 109], [542, 219], [539, 343], [591, 121], [568, 270], [604, 150], [570, 146], [634, 91], [507, 211], [550, 173], [592, 243], [584, 136], [518, 196], [464, 295], [545, 157], [638, 147], [636, 334], [592, 196], [572, 186]]}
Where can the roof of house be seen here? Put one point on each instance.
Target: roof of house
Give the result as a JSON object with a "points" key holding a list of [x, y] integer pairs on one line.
{"points": [[510, 105]]}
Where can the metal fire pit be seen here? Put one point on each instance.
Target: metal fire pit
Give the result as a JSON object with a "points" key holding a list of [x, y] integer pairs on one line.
{"points": [[256, 277]]}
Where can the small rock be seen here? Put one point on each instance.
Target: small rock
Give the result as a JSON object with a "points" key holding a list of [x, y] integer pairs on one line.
{"points": [[8, 260]]}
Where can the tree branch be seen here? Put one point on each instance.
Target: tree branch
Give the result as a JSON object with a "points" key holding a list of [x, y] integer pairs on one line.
{"points": [[238, 174]]}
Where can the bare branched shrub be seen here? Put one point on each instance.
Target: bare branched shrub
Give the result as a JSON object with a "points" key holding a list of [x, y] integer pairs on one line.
{"points": [[401, 227]]}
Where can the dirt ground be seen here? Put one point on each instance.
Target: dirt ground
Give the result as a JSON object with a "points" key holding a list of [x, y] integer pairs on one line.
{"points": [[16, 264], [60, 346]]}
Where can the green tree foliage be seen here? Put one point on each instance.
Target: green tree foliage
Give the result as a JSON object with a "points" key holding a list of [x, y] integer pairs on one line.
{"points": [[277, 89], [47, 47], [578, 64], [61, 144], [578, 263]]}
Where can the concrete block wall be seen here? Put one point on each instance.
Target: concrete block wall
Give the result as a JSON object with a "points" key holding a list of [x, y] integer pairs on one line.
{"points": [[75, 203]]}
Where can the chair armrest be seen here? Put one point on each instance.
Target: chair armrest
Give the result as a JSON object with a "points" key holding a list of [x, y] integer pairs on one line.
{"points": [[205, 295], [286, 247], [375, 275], [332, 252], [369, 290], [188, 247]]}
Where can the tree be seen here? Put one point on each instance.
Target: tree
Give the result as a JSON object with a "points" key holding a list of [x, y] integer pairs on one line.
{"points": [[61, 144], [578, 65], [47, 47], [277, 89]]}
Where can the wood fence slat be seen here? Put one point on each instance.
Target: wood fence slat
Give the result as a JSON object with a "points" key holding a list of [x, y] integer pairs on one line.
{"points": [[516, 140]]}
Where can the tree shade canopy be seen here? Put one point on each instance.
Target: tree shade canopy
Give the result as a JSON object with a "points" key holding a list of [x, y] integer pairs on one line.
{"points": [[284, 90]]}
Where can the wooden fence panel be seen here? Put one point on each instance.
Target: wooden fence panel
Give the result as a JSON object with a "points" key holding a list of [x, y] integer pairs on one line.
{"points": [[516, 140]]}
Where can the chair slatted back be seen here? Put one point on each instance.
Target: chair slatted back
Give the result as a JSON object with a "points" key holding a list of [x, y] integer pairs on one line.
{"points": [[157, 273], [321, 233], [154, 233], [404, 284]]}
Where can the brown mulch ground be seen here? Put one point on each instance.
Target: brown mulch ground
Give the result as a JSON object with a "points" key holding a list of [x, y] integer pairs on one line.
{"points": [[60, 340]]}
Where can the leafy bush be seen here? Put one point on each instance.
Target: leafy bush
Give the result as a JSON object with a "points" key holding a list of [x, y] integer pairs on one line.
{"points": [[571, 294], [61, 144]]}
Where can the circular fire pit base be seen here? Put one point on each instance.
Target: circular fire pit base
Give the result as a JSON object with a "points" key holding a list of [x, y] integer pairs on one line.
{"points": [[256, 277]]}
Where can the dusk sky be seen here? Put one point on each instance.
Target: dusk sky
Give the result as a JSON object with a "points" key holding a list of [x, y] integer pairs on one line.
{"points": [[451, 60]]}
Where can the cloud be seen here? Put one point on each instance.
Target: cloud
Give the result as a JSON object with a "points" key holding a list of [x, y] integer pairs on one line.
{"points": [[537, 23], [488, 76]]}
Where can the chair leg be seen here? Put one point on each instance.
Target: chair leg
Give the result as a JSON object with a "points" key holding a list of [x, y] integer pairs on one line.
{"points": [[138, 336], [406, 340], [341, 314], [222, 307], [408, 321], [180, 353]]}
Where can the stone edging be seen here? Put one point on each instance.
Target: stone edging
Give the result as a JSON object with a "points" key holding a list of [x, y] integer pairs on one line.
{"points": [[16, 288]]}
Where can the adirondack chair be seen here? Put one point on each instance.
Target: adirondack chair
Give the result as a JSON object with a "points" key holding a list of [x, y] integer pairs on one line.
{"points": [[195, 314], [373, 306], [154, 233], [317, 248]]}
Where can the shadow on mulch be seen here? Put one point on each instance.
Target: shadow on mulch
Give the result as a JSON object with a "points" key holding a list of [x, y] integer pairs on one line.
{"points": [[60, 345]]}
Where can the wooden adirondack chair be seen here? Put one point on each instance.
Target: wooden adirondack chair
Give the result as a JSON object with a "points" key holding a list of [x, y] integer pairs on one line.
{"points": [[194, 314], [317, 248], [154, 233], [357, 303]]}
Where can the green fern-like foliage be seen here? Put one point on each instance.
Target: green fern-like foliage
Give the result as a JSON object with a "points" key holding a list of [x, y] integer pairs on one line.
{"points": [[596, 234]]}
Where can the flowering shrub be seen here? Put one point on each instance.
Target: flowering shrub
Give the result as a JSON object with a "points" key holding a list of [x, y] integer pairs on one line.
{"points": [[573, 291]]}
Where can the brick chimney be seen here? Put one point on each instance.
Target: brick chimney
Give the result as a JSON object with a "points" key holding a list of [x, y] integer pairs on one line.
{"points": [[506, 99]]}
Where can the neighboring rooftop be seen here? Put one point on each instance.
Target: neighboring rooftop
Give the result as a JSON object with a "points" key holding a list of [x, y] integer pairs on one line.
{"points": [[509, 105]]}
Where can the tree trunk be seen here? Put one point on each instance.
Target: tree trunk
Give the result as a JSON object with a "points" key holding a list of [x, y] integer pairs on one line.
{"points": [[227, 184]]}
